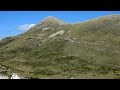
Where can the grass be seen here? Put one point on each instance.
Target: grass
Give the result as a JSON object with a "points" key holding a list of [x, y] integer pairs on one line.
{"points": [[95, 53]]}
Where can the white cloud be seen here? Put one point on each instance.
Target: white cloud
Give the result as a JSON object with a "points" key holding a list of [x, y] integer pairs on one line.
{"points": [[25, 27]]}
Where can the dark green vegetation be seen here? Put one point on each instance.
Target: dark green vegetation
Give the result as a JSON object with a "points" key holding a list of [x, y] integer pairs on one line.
{"points": [[54, 49]]}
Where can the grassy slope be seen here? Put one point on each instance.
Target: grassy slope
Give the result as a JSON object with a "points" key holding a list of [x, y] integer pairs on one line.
{"points": [[87, 50]]}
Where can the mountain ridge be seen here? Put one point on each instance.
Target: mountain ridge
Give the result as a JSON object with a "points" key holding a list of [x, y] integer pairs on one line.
{"points": [[49, 50]]}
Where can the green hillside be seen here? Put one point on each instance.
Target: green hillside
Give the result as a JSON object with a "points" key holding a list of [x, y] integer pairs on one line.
{"points": [[55, 49]]}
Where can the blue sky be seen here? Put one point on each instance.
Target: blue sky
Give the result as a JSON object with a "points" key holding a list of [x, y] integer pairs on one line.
{"points": [[16, 22]]}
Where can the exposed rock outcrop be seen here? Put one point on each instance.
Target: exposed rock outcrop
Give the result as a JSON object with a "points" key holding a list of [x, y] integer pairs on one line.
{"points": [[61, 32]]}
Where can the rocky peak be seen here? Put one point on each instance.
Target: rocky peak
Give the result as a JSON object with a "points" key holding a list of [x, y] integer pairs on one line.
{"points": [[51, 19]]}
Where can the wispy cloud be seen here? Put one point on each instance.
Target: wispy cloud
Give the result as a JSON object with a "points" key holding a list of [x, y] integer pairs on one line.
{"points": [[25, 27]]}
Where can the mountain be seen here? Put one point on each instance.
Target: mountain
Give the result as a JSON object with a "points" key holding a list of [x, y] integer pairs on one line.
{"points": [[55, 49], [53, 20]]}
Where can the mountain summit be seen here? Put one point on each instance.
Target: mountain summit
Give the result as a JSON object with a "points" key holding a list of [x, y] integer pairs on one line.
{"points": [[48, 23], [53, 20], [54, 49]]}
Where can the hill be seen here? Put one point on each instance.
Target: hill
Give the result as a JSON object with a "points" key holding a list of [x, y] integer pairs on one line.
{"points": [[55, 49]]}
